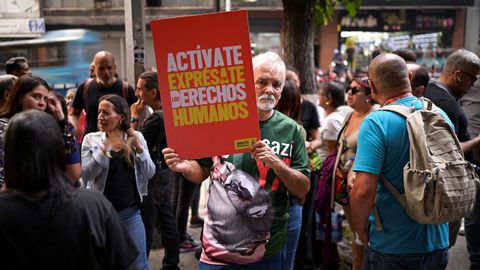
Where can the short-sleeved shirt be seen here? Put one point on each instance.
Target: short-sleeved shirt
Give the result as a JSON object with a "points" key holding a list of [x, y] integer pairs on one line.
{"points": [[383, 148], [283, 135], [445, 99], [309, 116], [331, 126], [86, 98]]}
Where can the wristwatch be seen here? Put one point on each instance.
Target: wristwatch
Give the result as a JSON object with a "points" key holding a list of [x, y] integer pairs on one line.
{"points": [[133, 120]]}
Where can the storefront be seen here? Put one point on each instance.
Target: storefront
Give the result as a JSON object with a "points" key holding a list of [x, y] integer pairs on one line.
{"points": [[428, 33]]}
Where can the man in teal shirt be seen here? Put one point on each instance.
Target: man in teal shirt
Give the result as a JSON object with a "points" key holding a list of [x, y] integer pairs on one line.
{"points": [[383, 149]]}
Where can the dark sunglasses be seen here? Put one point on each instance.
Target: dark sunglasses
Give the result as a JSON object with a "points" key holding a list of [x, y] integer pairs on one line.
{"points": [[472, 77], [354, 90]]}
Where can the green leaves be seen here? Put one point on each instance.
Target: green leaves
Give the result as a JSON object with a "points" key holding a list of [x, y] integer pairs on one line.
{"points": [[324, 9]]}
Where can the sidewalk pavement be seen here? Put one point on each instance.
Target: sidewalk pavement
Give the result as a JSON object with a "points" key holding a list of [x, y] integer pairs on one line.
{"points": [[458, 256], [458, 253]]}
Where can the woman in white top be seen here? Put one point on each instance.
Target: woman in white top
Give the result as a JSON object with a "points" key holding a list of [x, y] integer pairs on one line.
{"points": [[331, 96]]}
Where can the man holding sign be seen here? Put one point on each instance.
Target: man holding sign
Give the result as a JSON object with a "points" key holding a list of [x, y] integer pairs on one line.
{"points": [[247, 203]]}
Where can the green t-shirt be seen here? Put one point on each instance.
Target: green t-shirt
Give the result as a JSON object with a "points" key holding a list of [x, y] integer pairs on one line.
{"points": [[284, 136]]}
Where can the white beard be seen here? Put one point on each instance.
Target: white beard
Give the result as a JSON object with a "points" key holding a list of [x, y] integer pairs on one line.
{"points": [[266, 102]]}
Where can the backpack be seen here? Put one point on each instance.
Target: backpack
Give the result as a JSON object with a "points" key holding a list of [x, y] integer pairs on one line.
{"points": [[239, 216], [440, 185]]}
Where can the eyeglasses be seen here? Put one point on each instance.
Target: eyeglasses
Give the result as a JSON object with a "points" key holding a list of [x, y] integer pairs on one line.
{"points": [[472, 77], [354, 90]]}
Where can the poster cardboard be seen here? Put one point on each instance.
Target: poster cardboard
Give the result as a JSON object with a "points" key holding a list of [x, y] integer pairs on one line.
{"points": [[206, 83]]}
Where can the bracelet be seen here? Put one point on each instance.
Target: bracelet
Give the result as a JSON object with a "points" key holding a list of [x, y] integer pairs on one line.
{"points": [[133, 120]]}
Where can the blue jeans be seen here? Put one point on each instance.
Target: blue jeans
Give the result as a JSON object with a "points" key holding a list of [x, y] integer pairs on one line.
{"points": [[294, 228], [274, 262], [435, 260], [132, 220]]}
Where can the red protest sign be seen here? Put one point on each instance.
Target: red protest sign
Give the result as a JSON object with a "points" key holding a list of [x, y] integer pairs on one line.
{"points": [[206, 83]]}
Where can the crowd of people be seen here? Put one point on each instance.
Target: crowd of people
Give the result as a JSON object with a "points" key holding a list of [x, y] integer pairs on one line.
{"points": [[86, 178]]}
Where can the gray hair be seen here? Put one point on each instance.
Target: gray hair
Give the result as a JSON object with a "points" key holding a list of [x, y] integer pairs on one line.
{"points": [[462, 60], [272, 62]]}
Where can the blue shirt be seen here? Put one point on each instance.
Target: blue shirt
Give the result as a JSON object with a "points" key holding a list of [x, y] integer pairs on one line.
{"points": [[383, 148]]}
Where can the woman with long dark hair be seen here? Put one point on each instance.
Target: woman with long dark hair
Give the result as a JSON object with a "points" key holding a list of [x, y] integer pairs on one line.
{"points": [[116, 162], [47, 223], [33, 93]]}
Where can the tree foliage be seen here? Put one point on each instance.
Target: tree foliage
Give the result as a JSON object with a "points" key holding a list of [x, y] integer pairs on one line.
{"points": [[300, 17]]}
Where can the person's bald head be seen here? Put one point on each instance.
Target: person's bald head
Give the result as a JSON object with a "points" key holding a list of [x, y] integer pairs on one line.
{"points": [[105, 68], [389, 75]]}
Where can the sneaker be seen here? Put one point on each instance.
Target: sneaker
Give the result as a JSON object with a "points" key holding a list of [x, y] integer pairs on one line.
{"points": [[196, 222], [189, 245]]}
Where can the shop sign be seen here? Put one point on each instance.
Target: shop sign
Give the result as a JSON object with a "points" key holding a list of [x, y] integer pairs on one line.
{"points": [[22, 26], [398, 20]]}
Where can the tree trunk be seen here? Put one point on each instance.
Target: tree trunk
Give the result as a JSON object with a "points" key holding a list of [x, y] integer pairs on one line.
{"points": [[299, 34]]}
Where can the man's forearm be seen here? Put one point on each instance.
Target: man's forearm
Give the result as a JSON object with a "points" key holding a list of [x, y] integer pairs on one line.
{"points": [[362, 201], [194, 172], [471, 145], [296, 182]]}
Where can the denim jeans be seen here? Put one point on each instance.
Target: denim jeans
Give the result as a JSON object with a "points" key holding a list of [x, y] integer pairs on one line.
{"points": [[157, 206], [274, 262], [130, 217], [182, 197], [294, 228], [435, 260], [472, 229]]}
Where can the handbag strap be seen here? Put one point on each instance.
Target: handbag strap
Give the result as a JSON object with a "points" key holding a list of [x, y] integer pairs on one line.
{"points": [[340, 143]]}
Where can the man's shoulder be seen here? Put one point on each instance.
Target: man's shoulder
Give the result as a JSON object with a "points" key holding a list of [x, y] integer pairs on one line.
{"points": [[383, 120], [155, 116], [437, 93], [280, 118], [154, 120]]}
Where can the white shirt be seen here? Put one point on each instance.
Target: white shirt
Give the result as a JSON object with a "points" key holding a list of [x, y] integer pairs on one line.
{"points": [[329, 129]]}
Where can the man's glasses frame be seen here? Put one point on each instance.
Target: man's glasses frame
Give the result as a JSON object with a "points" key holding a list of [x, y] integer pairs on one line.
{"points": [[473, 78]]}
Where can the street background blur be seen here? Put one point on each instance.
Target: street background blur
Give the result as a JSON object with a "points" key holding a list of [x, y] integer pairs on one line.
{"points": [[431, 28]]}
